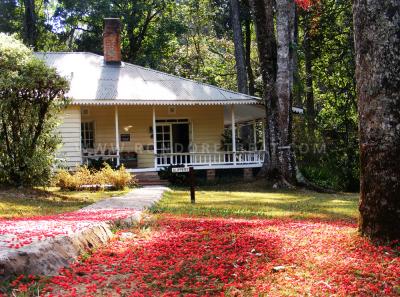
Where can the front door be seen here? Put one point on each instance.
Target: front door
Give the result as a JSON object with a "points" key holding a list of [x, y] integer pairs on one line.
{"points": [[180, 138], [172, 137]]}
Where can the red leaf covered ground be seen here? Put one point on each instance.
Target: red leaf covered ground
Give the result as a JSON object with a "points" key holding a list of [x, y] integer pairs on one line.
{"points": [[182, 256], [19, 232]]}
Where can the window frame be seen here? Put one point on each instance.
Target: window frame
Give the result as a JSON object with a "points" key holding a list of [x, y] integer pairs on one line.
{"points": [[84, 131]]}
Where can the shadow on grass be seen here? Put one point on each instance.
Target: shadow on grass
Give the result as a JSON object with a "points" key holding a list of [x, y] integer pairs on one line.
{"points": [[248, 202], [34, 202]]}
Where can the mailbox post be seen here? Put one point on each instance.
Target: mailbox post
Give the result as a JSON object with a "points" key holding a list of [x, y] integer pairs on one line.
{"points": [[192, 180]]}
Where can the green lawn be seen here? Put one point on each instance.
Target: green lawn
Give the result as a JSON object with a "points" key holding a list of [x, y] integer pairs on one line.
{"points": [[256, 200], [34, 202]]}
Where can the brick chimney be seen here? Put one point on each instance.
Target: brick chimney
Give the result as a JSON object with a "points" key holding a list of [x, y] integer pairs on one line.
{"points": [[112, 41]]}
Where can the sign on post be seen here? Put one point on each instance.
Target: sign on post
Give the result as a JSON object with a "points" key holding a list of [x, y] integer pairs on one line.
{"points": [[192, 180], [180, 169]]}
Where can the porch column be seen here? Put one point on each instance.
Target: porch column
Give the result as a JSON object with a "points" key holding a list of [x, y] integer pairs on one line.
{"points": [[154, 138], [255, 135], [116, 134], [233, 134], [263, 135]]}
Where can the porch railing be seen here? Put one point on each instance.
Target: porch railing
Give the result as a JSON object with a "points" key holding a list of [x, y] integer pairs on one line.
{"points": [[211, 159]]}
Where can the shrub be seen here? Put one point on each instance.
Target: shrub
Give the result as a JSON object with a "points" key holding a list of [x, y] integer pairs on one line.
{"points": [[77, 180], [118, 178], [83, 178], [31, 97], [65, 180]]}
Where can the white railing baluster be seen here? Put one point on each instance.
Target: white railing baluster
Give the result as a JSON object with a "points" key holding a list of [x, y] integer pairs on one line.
{"points": [[211, 159]]}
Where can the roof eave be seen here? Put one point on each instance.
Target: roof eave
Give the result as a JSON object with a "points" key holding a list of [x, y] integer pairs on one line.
{"points": [[169, 102]]}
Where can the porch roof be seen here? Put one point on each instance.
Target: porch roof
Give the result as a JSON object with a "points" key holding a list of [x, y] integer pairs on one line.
{"points": [[95, 83]]}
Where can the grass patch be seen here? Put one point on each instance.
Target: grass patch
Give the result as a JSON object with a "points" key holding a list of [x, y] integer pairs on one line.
{"points": [[257, 200], [35, 202]]}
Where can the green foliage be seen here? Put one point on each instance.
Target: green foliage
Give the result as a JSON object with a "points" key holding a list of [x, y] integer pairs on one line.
{"points": [[335, 97], [148, 27], [83, 178], [205, 50], [31, 96]]}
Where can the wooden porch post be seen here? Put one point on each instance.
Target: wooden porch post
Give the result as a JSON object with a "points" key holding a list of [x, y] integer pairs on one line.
{"points": [[154, 138], [263, 135], [233, 134], [255, 134], [117, 134]]}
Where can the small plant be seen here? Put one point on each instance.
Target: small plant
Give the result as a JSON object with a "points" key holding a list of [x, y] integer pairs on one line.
{"points": [[83, 178], [118, 178], [74, 181]]}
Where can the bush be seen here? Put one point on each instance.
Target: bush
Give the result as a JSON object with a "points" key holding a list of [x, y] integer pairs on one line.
{"points": [[31, 97], [84, 178], [118, 178]]}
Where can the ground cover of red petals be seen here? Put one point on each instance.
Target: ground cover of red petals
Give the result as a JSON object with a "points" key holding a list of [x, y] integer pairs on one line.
{"points": [[184, 256], [20, 232]]}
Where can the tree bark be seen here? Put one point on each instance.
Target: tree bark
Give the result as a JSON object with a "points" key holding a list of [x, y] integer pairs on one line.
{"points": [[284, 85], [30, 23], [239, 49], [263, 14], [250, 74], [377, 46], [297, 101]]}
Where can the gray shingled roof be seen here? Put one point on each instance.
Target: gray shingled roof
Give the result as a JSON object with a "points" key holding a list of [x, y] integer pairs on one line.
{"points": [[93, 82]]}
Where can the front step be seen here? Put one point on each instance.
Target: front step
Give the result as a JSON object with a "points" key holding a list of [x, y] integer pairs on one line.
{"points": [[149, 178]]}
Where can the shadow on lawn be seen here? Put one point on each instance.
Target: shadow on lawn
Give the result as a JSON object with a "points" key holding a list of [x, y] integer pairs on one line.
{"points": [[252, 202], [32, 202]]}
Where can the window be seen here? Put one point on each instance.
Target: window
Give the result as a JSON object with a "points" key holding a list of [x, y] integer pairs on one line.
{"points": [[87, 135], [163, 135]]}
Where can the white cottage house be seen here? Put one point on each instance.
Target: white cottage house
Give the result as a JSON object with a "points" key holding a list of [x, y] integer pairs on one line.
{"points": [[147, 119]]}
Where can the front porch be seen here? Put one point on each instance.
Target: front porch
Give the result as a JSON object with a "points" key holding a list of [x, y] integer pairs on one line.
{"points": [[205, 137]]}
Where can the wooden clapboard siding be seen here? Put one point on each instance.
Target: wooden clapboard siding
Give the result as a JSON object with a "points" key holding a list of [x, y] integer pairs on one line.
{"points": [[70, 132], [137, 121], [207, 123]]}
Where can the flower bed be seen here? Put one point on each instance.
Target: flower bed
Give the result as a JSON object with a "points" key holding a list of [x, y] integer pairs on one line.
{"points": [[225, 257]]}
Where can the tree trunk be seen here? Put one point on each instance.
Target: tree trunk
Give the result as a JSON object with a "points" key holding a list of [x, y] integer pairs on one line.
{"points": [[263, 14], [310, 109], [30, 24], [284, 84], [377, 46], [296, 77], [250, 74], [239, 50]]}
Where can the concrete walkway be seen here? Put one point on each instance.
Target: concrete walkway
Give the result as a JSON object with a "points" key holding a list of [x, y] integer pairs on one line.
{"points": [[137, 199], [43, 245]]}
